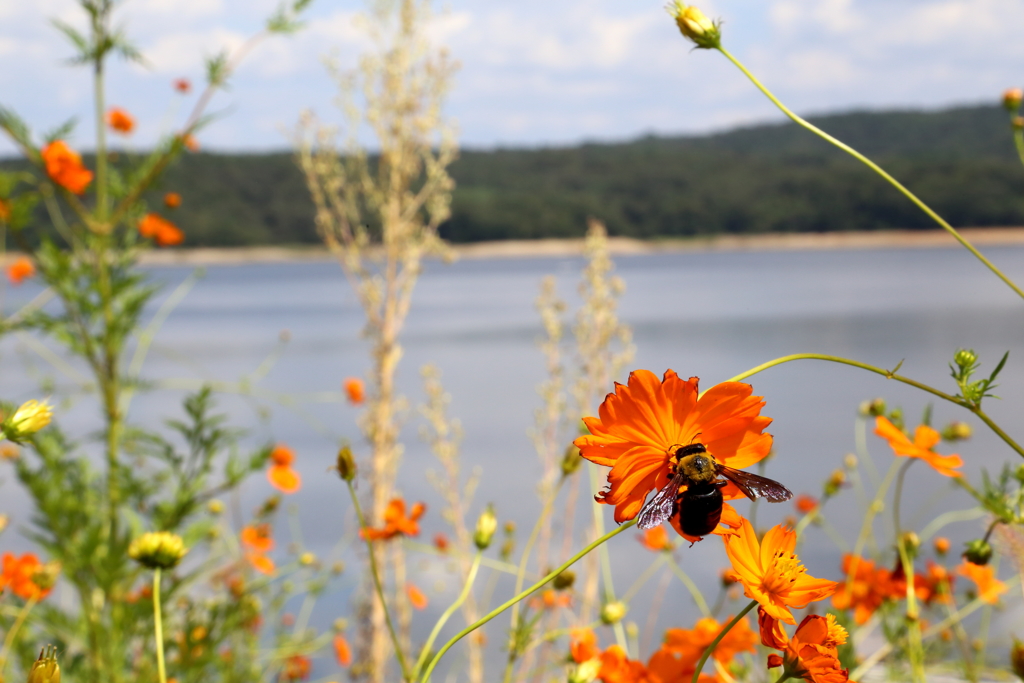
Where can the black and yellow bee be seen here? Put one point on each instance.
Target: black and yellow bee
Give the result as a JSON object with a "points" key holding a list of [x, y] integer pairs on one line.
{"points": [[699, 507]]}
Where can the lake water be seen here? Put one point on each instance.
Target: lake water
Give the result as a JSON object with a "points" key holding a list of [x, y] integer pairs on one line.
{"points": [[712, 315]]}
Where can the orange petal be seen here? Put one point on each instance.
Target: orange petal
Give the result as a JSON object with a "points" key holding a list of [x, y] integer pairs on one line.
{"points": [[284, 478]]}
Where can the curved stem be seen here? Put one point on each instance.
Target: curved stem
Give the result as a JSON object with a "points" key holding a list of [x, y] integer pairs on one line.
{"points": [[470, 578], [698, 598], [13, 633], [540, 584], [378, 587], [877, 169], [721, 634], [158, 627], [528, 548], [888, 374]]}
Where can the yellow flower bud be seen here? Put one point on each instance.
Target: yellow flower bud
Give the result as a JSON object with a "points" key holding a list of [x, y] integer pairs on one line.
{"points": [[872, 408], [486, 525], [45, 669], [613, 612], [586, 672], [27, 420], [157, 550], [307, 559], [215, 507], [957, 431], [1012, 99], [695, 25]]}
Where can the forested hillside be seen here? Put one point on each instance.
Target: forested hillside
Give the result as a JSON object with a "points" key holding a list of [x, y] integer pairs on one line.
{"points": [[771, 178]]}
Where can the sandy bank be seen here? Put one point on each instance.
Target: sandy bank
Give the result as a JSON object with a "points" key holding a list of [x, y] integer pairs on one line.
{"points": [[889, 239]]}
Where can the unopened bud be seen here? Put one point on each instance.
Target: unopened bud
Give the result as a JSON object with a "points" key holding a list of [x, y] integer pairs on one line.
{"points": [[564, 580], [911, 542], [941, 545], [965, 358], [695, 25], [877, 507], [978, 551], [835, 482], [729, 578], [215, 507], [571, 461], [1017, 123], [307, 559], [510, 528], [346, 465], [338, 567], [1012, 99], [850, 461], [507, 548], [613, 612], [45, 577], [45, 669], [157, 550], [586, 672], [486, 525], [27, 420], [340, 624], [1017, 658], [872, 408], [957, 431]]}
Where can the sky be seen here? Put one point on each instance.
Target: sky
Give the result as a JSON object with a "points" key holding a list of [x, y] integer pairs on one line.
{"points": [[533, 72]]}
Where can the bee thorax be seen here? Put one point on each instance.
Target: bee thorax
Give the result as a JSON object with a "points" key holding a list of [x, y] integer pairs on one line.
{"points": [[699, 468]]}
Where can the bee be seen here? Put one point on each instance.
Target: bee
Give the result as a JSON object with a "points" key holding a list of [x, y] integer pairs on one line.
{"points": [[700, 506]]}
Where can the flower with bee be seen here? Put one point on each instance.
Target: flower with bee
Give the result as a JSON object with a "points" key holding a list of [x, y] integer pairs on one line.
{"points": [[664, 436]]}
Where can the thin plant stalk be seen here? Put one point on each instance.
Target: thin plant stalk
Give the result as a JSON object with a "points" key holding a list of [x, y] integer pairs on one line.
{"points": [[158, 627], [550, 576], [721, 634], [406, 673], [12, 634], [698, 597], [915, 649], [889, 374], [876, 168], [470, 578]]}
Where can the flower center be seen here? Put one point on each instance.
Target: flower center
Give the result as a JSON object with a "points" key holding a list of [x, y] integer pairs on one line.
{"points": [[781, 573]]}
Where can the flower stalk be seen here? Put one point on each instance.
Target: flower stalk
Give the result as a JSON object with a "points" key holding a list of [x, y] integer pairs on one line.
{"points": [[158, 627], [721, 634]]}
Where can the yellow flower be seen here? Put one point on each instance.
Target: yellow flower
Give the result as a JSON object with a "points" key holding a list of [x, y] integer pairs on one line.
{"points": [[695, 25], [28, 419], [157, 550]]}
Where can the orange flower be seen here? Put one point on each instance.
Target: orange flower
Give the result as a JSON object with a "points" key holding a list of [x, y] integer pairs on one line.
{"points": [[644, 422], [984, 577], [666, 666], [395, 521], [281, 475], [182, 85], [120, 120], [355, 390], [256, 543], [812, 654], [65, 168], [296, 668], [690, 644], [864, 589], [806, 504], [616, 667], [172, 200], [342, 651], [20, 270], [191, 144], [416, 596], [925, 439], [441, 542], [551, 599], [936, 585], [583, 645], [656, 539], [17, 575], [771, 573], [165, 233]]}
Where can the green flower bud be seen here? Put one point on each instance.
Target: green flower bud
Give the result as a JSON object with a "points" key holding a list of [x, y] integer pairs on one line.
{"points": [[571, 461], [957, 431], [27, 420], [157, 550], [45, 669], [911, 542], [346, 464], [872, 408], [46, 576], [215, 507], [486, 525], [978, 551], [613, 612], [965, 358], [564, 580]]}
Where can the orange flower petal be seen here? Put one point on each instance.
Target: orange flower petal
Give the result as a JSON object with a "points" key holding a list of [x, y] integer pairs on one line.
{"points": [[20, 270], [416, 597], [284, 478], [342, 651]]}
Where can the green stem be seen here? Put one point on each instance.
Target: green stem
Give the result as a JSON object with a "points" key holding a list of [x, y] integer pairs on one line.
{"points": [[521, 596], [877, 169], [698, 598], [13, 633], [915, 649], [158, 627], [603, 558], [721, 634], [888, 374], [102, 200], [470, 578], [378, 587], [1018, 141]]}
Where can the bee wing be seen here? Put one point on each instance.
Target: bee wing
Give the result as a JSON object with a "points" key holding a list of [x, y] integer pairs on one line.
{"points": [[755, 486], [658, 509]]}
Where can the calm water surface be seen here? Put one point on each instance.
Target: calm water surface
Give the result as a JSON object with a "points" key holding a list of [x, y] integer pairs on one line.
{"points": [[712, 315]]}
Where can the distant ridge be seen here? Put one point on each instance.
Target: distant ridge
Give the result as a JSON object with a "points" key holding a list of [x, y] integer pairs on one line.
{"points": [[752, 180]]}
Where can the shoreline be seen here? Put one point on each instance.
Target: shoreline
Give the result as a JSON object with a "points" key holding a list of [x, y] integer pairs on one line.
{"points": [[618, 246]]}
